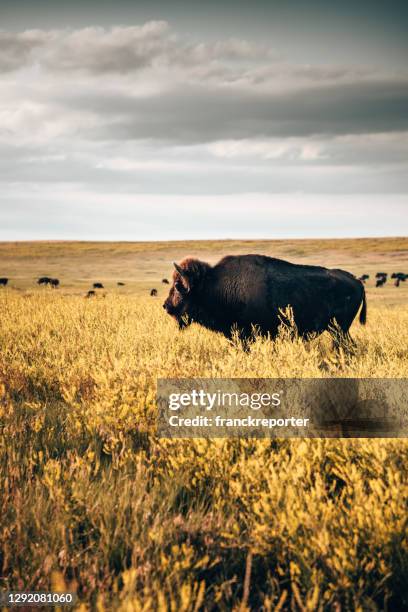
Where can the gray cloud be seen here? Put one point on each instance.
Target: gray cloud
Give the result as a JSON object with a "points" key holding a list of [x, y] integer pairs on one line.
{"points": [[140, 111], [90, 49], [16, 47], [202, 114], [145, 82], [118, 50], [97, 50], [335, 166]]}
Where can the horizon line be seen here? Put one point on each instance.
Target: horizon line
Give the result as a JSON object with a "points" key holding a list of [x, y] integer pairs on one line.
{"points": [[82, 240]]}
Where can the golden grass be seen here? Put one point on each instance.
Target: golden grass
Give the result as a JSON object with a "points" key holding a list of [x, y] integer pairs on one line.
{"points": [[92, 501]]}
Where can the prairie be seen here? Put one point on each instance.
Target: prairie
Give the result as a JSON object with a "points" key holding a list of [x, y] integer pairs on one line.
{"points": [[92, 501], [142, 265]]}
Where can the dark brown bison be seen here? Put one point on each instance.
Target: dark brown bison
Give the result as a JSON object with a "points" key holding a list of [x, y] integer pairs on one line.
{"points": [[97, 286], [121, 284], [165, 281], [399, 275], [3, 281], [54, 282], [90, 294], [364, 277], [381, 281], [153, 292], [248, 292], [44, 280]]}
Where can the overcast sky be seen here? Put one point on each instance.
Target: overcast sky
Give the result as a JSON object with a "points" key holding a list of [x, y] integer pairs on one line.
{"points": [[176, 120]]}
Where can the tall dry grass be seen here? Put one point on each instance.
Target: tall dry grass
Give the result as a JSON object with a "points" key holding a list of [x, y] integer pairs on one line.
{"points": [[92, 501]]}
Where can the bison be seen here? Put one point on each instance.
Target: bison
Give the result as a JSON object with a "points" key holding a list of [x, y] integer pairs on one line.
{"points": [[54, 282], [249, 292], [381, 281], [97, 286], [153, 292], [121, 284], [3, 281], [399, 275], [90, 294], [44, 280], [165, 281], [364, 277]]}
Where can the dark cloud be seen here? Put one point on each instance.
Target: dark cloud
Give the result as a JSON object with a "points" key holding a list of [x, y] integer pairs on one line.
{"points": [[162, 87], [204, 114]]}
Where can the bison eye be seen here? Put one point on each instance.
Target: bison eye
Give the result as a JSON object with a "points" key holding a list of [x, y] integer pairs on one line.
{"points": [[180, 287]]}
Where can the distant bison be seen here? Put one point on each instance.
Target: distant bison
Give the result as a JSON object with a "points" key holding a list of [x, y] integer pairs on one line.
{"points": [[165, 281], [46, 280], [364, 277], [400, 277], [97, 286], [121, 284], [153, 292], [381, 279], [249, 291], [90, 294], [3, 281]]}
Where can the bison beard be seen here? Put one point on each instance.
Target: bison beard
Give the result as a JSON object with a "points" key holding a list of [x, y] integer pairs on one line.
{"points": [[249, 292]]}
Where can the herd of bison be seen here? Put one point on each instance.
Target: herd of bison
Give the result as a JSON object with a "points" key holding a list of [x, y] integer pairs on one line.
{"points": [[380, 280], [54, 283]]}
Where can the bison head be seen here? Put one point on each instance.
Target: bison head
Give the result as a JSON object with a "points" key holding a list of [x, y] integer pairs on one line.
{"points": [[187, 280]]}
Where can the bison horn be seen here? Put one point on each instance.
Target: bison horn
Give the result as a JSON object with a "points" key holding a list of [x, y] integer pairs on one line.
{"points": [[179, 269]]}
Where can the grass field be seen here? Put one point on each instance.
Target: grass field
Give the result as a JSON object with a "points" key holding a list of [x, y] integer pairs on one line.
{"points": [[92, 501], [142, 265]]}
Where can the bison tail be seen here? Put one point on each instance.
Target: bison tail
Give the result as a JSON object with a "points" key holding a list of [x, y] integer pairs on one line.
{"points": [[363, 311]]}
